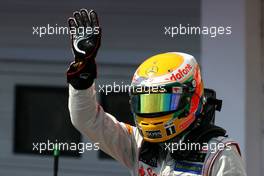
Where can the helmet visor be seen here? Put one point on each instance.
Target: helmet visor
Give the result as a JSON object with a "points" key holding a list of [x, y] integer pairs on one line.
{"points": [[155, 103]]}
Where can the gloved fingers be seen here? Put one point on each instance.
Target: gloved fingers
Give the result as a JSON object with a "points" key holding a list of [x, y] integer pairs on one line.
{"points": [[72, 24], [85, 18], [85, 45], [78, 19], [94, 19]]}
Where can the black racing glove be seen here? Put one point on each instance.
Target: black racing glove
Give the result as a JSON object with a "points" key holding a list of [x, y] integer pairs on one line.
{"points": [[86, 40]]}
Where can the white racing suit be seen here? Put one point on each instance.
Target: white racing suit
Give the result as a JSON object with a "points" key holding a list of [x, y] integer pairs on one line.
{"points": [[123, 143]]}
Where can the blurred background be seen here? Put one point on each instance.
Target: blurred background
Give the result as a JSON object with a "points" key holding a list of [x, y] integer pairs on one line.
{"points": [[34, 94]]}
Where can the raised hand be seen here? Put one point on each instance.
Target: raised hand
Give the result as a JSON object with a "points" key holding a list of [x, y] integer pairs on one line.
{"points": [[86, 38]]}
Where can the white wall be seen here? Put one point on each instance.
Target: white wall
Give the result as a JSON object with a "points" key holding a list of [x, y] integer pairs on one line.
{"points": [[232, 66], [254, 88]]}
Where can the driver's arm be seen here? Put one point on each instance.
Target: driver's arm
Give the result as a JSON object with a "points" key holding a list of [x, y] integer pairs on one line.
{"points": [[87, 116]]}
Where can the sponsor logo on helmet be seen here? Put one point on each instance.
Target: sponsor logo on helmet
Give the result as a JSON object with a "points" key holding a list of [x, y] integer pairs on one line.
{"points": [[152, 70], [181, 73], [177, 90], [169, 123], [154, 134], [170, 130]]}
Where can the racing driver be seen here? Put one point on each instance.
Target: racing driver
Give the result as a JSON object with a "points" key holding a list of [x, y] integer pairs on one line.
{"points": [[170, 110]]}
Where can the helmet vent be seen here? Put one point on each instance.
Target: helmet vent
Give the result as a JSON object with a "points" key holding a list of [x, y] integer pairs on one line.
{"points": [[144, 124], [158, 123]]}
